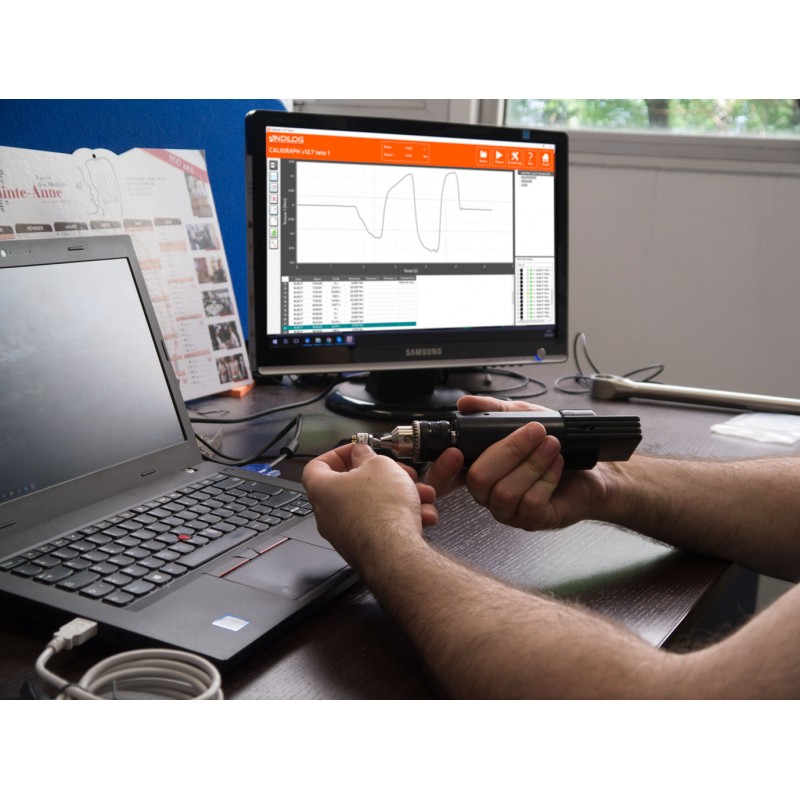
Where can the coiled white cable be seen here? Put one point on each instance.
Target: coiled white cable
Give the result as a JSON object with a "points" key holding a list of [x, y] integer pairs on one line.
{"points": [[171, 674]]}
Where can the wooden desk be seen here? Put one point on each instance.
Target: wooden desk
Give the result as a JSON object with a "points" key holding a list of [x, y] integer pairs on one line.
{"points": [[351, 649]]}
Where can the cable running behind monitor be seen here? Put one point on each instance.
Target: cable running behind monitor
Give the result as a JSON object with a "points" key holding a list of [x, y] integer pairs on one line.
{"points": [[404, 250]]}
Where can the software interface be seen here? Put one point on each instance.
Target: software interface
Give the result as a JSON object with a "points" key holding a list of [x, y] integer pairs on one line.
{"points": [[375, 232]]}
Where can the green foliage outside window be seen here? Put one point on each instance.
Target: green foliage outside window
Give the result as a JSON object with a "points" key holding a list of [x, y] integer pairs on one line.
{"points": [[727, 117]]}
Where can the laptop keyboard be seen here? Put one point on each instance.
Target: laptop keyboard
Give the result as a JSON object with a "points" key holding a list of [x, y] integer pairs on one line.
{"points": [[130, 555]]}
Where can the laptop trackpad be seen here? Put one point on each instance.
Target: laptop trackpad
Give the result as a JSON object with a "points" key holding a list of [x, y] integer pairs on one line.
{"points": [[291, 570]]}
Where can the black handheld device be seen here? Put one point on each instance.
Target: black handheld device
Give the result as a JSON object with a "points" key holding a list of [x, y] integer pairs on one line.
{"points": [[585, 437]]}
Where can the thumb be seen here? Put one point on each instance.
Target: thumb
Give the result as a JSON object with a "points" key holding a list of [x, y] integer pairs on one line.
{"points": [[361, 454]]}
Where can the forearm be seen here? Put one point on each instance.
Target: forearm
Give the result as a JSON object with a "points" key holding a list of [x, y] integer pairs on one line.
{"points": [[484, 639], [746, 511]]}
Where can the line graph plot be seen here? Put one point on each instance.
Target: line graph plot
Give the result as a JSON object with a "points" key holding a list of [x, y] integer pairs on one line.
{"points": [[385, 214]]}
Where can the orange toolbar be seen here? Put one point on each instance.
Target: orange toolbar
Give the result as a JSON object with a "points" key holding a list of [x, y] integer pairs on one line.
{"points": [[357, 149]]}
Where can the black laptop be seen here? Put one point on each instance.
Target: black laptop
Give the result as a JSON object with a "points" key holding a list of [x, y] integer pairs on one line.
{"points": [[107, 509]]}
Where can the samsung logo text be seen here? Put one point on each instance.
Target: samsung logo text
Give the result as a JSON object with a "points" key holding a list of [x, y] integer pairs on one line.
{"points": [[416, 352]]}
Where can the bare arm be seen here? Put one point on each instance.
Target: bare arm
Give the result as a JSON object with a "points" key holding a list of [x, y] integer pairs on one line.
{"points": [[482, 638], [746, 511]]}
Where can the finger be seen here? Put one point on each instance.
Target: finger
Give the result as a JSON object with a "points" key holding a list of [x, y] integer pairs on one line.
{"points": [[428, 511], [535, 509], [502, 458], [523, 497], [338, 460], [445, 472], [471, 403], [360, 453], [427, 494], [317, 469], [429, 514]]}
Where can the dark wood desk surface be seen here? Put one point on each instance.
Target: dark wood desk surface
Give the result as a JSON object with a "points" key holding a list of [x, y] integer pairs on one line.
{"points": [[351, 649]]}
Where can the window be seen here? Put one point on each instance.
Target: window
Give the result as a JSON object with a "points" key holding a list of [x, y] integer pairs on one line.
{"points": [[768, 118]]}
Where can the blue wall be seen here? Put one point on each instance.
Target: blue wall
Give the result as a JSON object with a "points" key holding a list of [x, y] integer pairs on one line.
{"points": [[215, 126]]}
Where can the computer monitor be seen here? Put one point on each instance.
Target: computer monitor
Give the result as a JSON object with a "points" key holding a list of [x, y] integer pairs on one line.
{"points": [[406, 250]]}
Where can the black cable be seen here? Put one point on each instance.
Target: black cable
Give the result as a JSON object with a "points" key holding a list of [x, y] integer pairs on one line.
{"points": [[276, 409], [290, 448], [231, 461], [523, 382], [584, 381]]}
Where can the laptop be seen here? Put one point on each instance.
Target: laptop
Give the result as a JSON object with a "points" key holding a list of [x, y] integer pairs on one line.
{"points": [[107, 509]]}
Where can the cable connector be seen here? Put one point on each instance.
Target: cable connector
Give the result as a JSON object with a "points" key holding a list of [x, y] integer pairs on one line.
{"points": [[173, 674], [74, 633], [290, 448], [263, 469]]}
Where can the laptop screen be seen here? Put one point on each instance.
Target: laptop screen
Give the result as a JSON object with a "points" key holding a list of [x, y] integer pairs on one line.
{"points": [[81, 383]]}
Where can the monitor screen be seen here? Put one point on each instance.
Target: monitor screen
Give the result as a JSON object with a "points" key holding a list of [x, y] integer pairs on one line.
{"points": [[402, 249]]}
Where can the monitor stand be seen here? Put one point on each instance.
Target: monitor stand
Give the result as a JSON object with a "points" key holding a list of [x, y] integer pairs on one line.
{"points": [[395, 395]]}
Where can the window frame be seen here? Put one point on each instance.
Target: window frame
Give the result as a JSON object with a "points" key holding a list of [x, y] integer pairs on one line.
{"points": [[693, 152]]}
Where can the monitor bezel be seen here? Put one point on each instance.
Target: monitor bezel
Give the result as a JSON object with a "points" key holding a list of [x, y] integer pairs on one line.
{"points": [[440, 348]]}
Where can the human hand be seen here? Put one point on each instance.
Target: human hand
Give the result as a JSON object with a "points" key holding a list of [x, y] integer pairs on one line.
{"points": [[359, 496], [447, 472], [521, 479]]}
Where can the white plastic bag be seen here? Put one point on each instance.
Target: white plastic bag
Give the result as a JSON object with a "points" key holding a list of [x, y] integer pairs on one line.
{"points": [[762, 427]]}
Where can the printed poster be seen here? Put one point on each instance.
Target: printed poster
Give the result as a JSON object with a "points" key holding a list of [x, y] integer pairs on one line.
{"points": [[162, 199]]}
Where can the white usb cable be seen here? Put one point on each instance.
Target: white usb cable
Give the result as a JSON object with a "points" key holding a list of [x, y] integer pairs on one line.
{"points": [[172, 674]]}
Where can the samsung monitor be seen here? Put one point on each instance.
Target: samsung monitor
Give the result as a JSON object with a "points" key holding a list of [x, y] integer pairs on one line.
{"points": [[401, 252]]}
